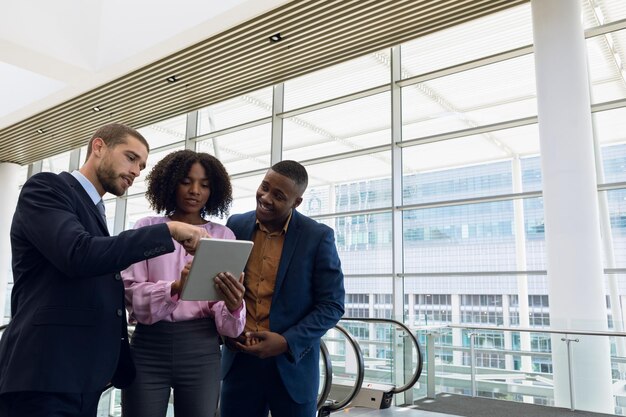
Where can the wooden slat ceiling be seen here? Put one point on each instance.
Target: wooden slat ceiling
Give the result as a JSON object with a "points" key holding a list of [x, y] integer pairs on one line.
{"points": [[316, 34]]}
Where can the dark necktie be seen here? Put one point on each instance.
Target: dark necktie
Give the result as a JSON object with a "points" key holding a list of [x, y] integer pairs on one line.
{"points": [[100, 206]]}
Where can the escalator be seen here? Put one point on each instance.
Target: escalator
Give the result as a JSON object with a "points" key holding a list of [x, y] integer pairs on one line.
{"points": [[374, 393], [328, 403]]}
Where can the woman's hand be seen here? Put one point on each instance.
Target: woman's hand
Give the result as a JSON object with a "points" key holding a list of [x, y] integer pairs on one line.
{"points": [[179, 284], [232, 289]]}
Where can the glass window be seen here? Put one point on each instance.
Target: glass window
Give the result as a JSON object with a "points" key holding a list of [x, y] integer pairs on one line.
{"points": [[606, 68], [346, 127], [164, 133], [609, 128], [57, 163], [351, 184], [471, 166], [616, 200], [603, 12], [236, 111], [363, 242], [244, 193], [478, 38], [339, 80], [241, 151], [360, 290], [490, 94]]}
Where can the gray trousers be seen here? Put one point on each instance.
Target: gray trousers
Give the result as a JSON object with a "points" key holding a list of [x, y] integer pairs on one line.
{"points": [[184, 356]]}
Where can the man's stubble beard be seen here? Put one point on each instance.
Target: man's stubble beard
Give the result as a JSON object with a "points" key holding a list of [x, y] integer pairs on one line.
{"points": [[109, 179]]}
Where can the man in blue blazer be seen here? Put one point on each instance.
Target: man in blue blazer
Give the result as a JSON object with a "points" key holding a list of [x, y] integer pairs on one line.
{"points": [[67, 338], [294, 294]]}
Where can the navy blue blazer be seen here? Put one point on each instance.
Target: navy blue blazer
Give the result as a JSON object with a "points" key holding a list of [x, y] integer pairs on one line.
{"points": [[68, 328], [308, 299]]}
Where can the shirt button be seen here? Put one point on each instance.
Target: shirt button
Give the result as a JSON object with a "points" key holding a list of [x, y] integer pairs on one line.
{"points": [[119, 312], [118, 276]]}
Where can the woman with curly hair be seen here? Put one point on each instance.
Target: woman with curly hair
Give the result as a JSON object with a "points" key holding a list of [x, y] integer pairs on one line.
{"points": [[176, 343]]}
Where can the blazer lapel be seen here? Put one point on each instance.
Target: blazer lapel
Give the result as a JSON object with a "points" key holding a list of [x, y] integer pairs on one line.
{"points": [[249, 226], [85, 199], [291, 240]]}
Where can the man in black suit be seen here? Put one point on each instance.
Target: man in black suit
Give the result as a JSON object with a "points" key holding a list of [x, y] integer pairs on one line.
{"points": [[67, 338]]}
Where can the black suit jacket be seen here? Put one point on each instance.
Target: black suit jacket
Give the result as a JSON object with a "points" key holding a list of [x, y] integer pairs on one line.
{"points": [[68, 328]]}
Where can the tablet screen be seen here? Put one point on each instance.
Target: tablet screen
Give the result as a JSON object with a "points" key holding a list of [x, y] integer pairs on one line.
{"points": [[212, 257]]}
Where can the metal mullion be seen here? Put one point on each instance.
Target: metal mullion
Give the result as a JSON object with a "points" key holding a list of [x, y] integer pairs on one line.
{"points": [[473, 273], [397, 241], [615, 270], [605, 28], [169, 146], [191, 129], [525, 121], [469, 65], [608, 105], [345, 155], [246, 174], [74, 160], [612, 186], [119, 221], [232, 129], [475, 200], [381, 210], [276, 140], [335, 101]]}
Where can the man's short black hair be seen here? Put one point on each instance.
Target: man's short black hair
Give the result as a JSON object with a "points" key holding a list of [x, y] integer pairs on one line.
{"points": [[294, 171]]}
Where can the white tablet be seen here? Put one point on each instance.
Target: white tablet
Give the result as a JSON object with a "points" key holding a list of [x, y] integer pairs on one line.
{"points": [[212, 257]]}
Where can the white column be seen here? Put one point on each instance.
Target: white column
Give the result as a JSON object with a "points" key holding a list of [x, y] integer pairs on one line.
{"points": [[9, 183], [573, 247]]}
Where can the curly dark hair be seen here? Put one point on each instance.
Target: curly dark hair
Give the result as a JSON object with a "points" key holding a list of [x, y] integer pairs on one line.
{"points": [[171, 170]]}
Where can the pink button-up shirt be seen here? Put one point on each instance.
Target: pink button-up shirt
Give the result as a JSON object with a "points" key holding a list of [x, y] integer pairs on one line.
{"points": [[149, 284]]}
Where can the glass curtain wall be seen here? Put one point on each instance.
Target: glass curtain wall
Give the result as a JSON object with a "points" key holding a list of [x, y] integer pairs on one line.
{"points": [[425, 160]]}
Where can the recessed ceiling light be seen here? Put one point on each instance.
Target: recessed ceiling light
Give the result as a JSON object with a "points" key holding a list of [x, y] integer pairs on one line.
{"points": [[276, 38], [96, 108], [172, 79], [40, 130]]}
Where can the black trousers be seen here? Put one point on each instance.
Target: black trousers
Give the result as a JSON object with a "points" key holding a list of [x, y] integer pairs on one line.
{"points": [[184, 356], [49, 404], [253, 388]]}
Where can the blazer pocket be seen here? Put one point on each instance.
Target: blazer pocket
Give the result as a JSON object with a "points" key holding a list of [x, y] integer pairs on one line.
{"points": [[65, 316]]}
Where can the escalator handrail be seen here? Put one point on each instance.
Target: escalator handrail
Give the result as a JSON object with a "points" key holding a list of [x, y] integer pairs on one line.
{"points": [[420, 356], [360, 372], [328, 380]]}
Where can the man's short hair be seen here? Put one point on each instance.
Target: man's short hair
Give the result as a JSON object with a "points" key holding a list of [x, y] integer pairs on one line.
{"points": [[115, 133], [294, 171]]}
